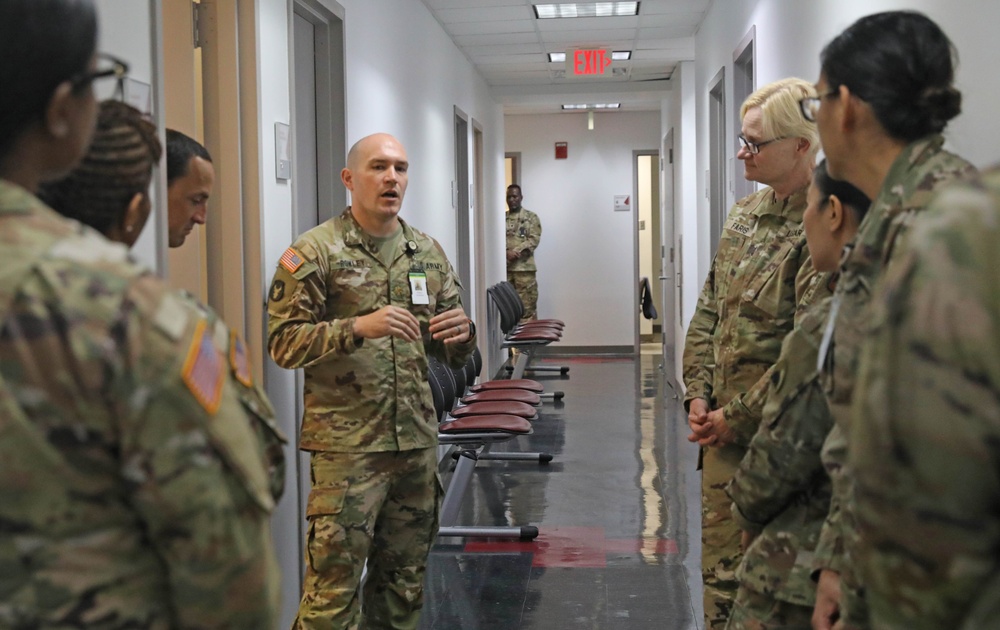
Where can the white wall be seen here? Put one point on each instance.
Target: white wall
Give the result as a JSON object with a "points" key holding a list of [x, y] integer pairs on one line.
{"points": [[586, 265], [790, 35]]}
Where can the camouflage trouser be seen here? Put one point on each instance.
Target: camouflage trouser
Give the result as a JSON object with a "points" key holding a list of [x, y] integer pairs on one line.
{"points": [[527, 289], [720, 537], [754, 611], [379, 507]]}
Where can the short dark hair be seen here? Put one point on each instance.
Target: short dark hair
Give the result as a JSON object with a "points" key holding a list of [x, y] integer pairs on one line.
{"points": [[849, 195], [42, 44], [118, 165], [180, 149], [515, 186], [903, 65]]}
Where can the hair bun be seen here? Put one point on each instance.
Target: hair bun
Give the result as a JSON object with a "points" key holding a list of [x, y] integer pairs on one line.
{"points": [[941, 103]]}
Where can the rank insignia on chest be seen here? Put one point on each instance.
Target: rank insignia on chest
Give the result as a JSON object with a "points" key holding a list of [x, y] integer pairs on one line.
{"points": [[238, 359], [204, 371], [291, 260]]}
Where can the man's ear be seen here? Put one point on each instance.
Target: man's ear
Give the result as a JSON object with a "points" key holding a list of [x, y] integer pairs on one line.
{"points": [[59, 111], [848, 108], [348, 178], [834, 214], [134, 214]]}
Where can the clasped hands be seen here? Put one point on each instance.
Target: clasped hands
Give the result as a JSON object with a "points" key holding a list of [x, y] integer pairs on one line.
{"points": [[451, 327], [708, 428]]}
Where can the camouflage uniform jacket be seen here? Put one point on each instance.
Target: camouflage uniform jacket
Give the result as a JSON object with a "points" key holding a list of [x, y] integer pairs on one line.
{"points": [[524, 231], [780, 492], [134, 487], [920, 170], [361, 395], [747, 306], [925, 422]]}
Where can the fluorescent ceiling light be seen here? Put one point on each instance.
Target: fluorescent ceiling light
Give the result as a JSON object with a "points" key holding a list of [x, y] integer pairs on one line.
{"points": [[621, 55], [585, 9], [592, 106], [557, 57]]}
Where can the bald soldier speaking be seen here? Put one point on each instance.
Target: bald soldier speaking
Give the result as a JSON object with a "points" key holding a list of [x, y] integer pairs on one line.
{"points": [[359, 302]]}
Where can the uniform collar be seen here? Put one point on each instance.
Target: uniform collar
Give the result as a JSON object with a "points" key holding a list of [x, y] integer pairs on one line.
{"points": [[17, 200], [354, 234]]}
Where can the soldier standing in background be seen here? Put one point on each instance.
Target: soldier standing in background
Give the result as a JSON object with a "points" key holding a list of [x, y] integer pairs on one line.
{"points": [[524, 231], [359, 302], [134, 489], [746, 308], [780, 492], [926, 422], [886, 95]]}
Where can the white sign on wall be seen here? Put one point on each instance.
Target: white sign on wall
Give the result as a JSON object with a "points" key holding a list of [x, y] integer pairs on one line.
{"points": [[623, 203]]}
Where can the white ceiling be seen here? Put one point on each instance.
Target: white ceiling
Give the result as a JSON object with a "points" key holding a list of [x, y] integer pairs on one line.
{"points": [[510, 47]]}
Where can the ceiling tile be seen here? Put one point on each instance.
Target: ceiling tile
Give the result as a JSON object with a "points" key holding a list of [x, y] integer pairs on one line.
{"points": [[494, 39], [481, 28], [485, 14]]}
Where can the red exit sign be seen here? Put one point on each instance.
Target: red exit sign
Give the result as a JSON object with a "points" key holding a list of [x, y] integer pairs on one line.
{"points": [[589, 62]]}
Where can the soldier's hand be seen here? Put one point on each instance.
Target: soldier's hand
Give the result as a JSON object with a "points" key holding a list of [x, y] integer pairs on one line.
{"points": [[745, 539], [388, 321], [697, 417], [826, 612], [717, 429], [450, 326], [511, 255]]}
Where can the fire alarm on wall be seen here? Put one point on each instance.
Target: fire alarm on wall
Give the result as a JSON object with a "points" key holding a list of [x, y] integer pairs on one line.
{"points": [[562, 150]]}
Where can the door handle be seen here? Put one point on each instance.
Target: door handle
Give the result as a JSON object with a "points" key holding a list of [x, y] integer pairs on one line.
{"points": [[664, 277]]}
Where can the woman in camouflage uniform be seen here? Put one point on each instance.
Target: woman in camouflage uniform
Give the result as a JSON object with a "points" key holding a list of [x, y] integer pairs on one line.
{"points": [[134, 490], [780, 492], [885, 96]]}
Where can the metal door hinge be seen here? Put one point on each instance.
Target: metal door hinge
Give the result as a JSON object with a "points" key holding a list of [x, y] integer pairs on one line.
{"points": [[197, 32]]}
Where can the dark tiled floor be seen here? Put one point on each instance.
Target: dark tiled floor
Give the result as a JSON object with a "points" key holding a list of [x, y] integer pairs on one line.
{"points": [[617, 511]]}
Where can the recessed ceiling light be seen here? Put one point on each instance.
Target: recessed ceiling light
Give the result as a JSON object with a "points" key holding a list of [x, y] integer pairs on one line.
{"points": [[621, 55], [585, 9], [557, 57], [593, 106]]}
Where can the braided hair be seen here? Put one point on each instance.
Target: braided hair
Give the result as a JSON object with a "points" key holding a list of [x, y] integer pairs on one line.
{"points": [[118, 165]]}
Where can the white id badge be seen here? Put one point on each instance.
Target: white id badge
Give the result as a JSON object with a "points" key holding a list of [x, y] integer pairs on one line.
{"points": [[418, 287]]}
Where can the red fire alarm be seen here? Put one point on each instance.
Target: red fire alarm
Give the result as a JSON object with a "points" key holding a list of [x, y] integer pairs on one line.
{"points": [[562, 150]]}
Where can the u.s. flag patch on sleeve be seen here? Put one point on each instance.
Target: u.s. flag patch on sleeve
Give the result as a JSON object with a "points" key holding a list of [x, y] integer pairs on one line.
{"points": [[204, 369], [291, 260]]}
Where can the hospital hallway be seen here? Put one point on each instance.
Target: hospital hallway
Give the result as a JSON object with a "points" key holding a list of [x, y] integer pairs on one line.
{"points": [[617, 510]]}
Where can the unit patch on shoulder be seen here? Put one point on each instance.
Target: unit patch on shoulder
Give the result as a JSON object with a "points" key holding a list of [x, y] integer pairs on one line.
{"points": [[291, 260], [277, 290], [204, 371], [239, 360]]}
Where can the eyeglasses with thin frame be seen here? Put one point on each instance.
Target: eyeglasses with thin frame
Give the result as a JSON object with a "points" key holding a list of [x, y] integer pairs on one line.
{"points": [[107, 66], [810, 104], [754, 147]]}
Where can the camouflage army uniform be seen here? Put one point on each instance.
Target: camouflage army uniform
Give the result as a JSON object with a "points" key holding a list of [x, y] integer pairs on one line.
{"points": [[134, 486], [746, 308], [921, 169], [780, 492], [369, 418], [524, 231], [925, 422]]}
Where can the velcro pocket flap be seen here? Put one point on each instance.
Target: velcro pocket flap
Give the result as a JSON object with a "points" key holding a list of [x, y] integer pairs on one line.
{"points": [[326, 501]]}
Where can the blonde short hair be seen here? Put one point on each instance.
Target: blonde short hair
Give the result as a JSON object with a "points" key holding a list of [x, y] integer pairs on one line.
{"points": [[780, 111]]}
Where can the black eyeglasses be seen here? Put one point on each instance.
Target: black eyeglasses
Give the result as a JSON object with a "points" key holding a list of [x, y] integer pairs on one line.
{"points": [[754, 147], [810, 104], [107, 66]]}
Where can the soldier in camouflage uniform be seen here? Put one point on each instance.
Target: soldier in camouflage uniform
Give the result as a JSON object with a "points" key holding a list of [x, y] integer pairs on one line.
{"points": [[746, 308], [925, 423], [134, 488], [524, 231], [358, 302], [780, 492], [885, 139]]}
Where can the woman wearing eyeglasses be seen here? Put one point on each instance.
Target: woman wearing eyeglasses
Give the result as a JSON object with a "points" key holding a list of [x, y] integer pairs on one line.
{"points": [[134, 488], [748, 303], [885, 96]]}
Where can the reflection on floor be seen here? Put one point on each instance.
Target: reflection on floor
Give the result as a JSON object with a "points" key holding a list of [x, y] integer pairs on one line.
{"points": [[618, 513]]}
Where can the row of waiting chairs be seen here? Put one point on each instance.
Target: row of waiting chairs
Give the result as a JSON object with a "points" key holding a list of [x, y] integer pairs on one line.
{"points": [[475, 415]]}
